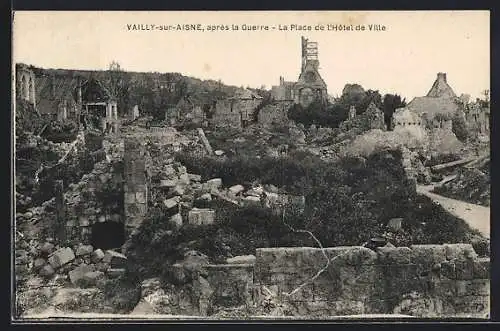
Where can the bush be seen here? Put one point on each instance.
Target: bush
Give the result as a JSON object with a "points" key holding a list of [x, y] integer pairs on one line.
{"points": [[61, 131]]}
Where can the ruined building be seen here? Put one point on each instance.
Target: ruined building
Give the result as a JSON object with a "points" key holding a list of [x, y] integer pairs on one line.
{"points": [[435, 110], [309, 86], [98, 105], [236, 111], [477, 115], [25, 84], [56, 96]]}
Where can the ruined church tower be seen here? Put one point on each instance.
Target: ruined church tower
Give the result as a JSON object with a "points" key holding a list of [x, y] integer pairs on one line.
{"points": [[310, 86]]}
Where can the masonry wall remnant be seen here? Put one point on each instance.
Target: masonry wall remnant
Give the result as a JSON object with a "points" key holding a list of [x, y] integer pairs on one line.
{"points": [[136, 184], [421, 280], [25, 84]]}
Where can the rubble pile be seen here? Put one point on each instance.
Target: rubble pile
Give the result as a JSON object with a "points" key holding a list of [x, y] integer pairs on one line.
{"points": [[52, 272]]}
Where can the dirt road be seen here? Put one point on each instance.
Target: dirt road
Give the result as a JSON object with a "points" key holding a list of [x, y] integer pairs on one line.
{"points": [[478, 217]]}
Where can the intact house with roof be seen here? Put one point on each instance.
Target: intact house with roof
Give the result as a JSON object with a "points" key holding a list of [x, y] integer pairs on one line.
{"points": [[435, 110], [310, 86]]}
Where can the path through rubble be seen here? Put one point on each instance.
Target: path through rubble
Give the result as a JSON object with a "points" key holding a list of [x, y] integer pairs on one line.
{"points": [[478, 217]]}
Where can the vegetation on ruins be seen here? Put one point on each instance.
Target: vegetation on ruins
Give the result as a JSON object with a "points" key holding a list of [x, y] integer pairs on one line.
{"points": [[348, 203], [333, 115]]}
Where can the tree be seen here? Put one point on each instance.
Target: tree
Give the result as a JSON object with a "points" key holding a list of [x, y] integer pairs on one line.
{"points": [[459, 126], [390, 103], [119, 86], [370, 96]]}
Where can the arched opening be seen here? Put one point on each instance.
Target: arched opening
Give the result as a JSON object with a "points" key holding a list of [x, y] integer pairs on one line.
{"points": [[108, 235], [23, 87]]}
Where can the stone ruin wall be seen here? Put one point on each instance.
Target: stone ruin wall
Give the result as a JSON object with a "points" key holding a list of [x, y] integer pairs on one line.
{"points": [[135, 185], [421, 280], [275, 113]]}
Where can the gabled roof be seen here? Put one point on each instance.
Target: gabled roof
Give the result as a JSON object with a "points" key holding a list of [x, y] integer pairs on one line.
{"points": [[433, 106], [440, 88]]}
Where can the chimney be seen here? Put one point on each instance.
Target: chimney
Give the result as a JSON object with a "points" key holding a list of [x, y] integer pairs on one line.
{"points": [[441, 76]]}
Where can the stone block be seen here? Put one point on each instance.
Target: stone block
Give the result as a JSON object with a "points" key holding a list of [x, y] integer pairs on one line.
{"points": [[47, 271], [305, 293], [115, 259], [464, 269], [214, 183], [400, 279], [472, 306], [140, 197], [91, 278], [176, 219], [61, 257], [38, 264], [242, 259], [205, 197], [129, 197], [201, 216], [194, 178], [97, 255], [76, 275], [460, 251], [446, 288], [172, 202], [84, 250], [47, 248], [168, 183], [249, 201], [351, 255], [184, 179], [481, 268], [236, 189], [428, 255], [448, 270], [179, 190], [394, 255], [115, 272], [475, 287]]}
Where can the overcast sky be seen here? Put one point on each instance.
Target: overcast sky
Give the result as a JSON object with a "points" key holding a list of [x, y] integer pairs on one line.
{"points": [[403, 59]]}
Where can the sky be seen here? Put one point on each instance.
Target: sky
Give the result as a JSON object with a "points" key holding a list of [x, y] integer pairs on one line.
{"points": [[404, 58]]}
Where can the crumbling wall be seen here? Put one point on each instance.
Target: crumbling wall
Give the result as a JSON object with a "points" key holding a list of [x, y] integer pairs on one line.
{"points": [[422, 280], [98, 197], [136, 183], [231, 284], [275, 113]]}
